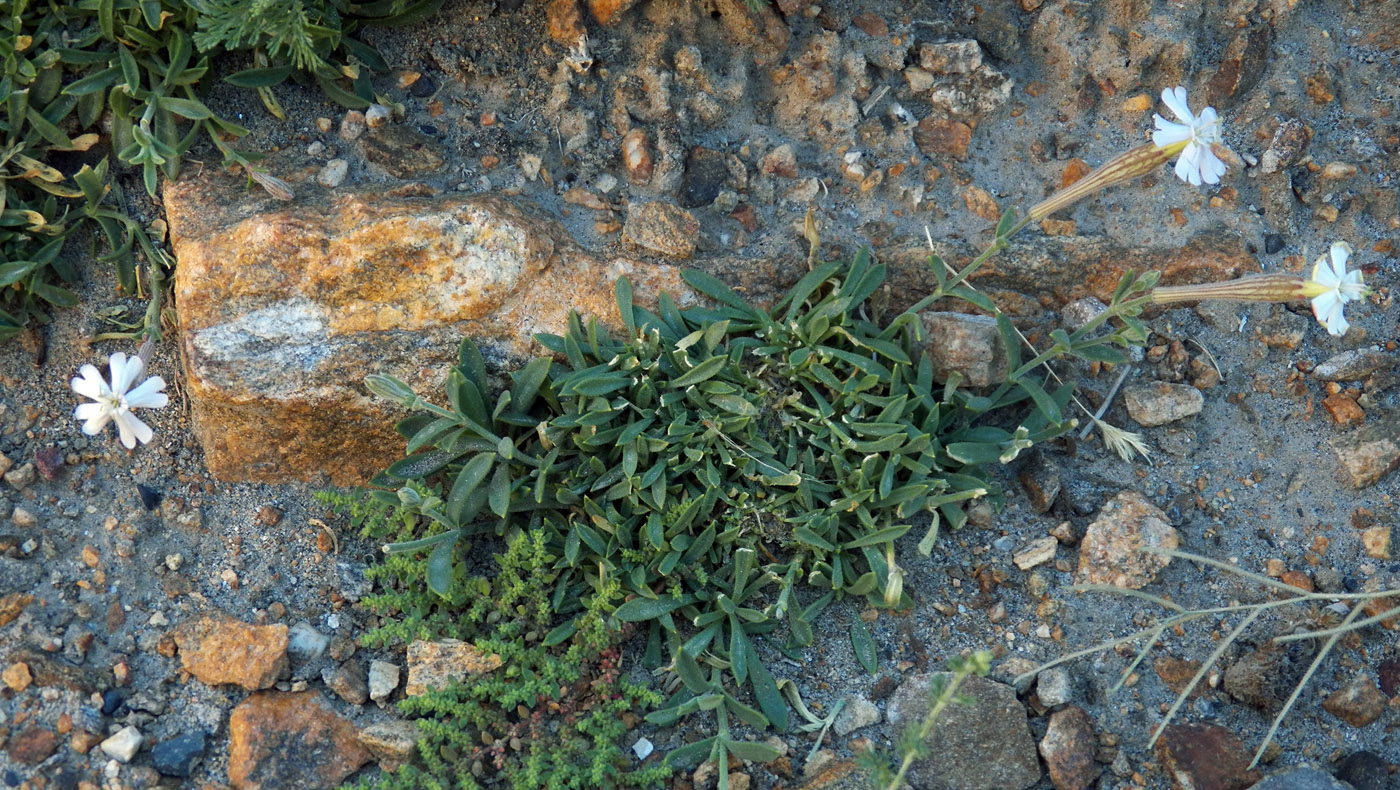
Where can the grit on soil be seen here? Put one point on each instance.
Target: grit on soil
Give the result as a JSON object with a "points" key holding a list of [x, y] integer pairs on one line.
{"points": [[750, 119]]}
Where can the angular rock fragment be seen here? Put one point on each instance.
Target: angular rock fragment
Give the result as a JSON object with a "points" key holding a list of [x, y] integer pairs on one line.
{"points": [[968, 344], [1160, 403], [227, 651], [1112, 549], [279, 739], [436, 665], [284, 310], [985, 745]]}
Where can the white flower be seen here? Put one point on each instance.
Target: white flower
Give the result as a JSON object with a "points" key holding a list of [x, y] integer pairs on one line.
{"points": [[1332, 286], [1192, 139], [117, 401]]}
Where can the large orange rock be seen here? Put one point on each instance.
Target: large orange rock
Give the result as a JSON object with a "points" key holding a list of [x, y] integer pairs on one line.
{"points": [[228, 651], [284, 310], [279, 740]]}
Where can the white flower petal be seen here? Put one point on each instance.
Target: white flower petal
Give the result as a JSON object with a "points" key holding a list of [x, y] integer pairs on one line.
{"points": [[1336, 322], [95, 424], [148, 394], [1323, 275], [90, 385], [1187, 171], [1208, 125], [1211, 166], [89, 411], [1339, 253], [1169, 133], [1324, 303], [1175, 99], [132, 429], [131, 372]]}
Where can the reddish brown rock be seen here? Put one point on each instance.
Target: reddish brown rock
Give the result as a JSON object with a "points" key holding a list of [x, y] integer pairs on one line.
{"points": [[227, 651], [1205, 757], [12, 606], [607, 11], [1068, 748], [565, 21], [284, 310], [636, 156], [436, 665], [1112, 549], [1358, 703], [1344, 410], [278, 739], [938, 137], [32, 745], [1177, 672]]}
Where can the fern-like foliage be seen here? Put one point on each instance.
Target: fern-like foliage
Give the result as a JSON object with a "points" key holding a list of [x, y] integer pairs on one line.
{"points": [[299, 32]]}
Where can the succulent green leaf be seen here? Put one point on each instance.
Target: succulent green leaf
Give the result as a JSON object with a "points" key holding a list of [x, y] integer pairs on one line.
{"points": [[864, 647]]}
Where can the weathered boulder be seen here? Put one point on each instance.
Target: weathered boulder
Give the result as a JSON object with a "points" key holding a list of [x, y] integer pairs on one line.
{"points": [[285, 308]]}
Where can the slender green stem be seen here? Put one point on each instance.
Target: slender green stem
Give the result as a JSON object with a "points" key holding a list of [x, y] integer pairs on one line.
{"points": [[945, 698]]}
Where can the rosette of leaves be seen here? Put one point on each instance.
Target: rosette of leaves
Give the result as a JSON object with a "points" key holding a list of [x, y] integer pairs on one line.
{"points": [[45, 48], [714, 462]]}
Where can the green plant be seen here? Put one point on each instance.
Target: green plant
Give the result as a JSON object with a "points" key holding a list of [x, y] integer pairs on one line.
{"points": [[1288, 596], [716, 461], [943, 691], [69, 64], [550, 717]]}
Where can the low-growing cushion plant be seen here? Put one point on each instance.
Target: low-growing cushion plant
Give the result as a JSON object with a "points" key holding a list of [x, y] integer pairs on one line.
{"points": [[730, 469]]}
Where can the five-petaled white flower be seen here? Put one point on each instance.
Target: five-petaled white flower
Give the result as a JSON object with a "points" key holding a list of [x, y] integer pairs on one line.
{"points": [[1196, 163], [1332, 286], [117, 401]]}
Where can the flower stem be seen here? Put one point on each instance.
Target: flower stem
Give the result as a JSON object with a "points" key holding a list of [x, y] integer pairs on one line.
{"points": [[1255, 288]]}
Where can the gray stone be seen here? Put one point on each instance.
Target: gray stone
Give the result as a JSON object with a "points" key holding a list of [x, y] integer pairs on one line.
{"points": [[18, 576], [179, 755], [1080, 312], [1054, 687], [985, 745], [124, 745], [1160, 403], [858, 712], [305, 643], [1301, 777], [1371, 452], [1353, 365], [333, 174], [1035, 553], [20, 477], [383, 679], [968, 344], [391, 742]]}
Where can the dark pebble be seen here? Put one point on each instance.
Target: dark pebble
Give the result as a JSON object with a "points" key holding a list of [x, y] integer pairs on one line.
{"points": [[112, 700], [1364, 771], [511, 5], [178, 756], [705, 174], [49, 461], [150, 498], [423, 87], [1389, 672], [431, 131], [1273, 242], [11, 779]]}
